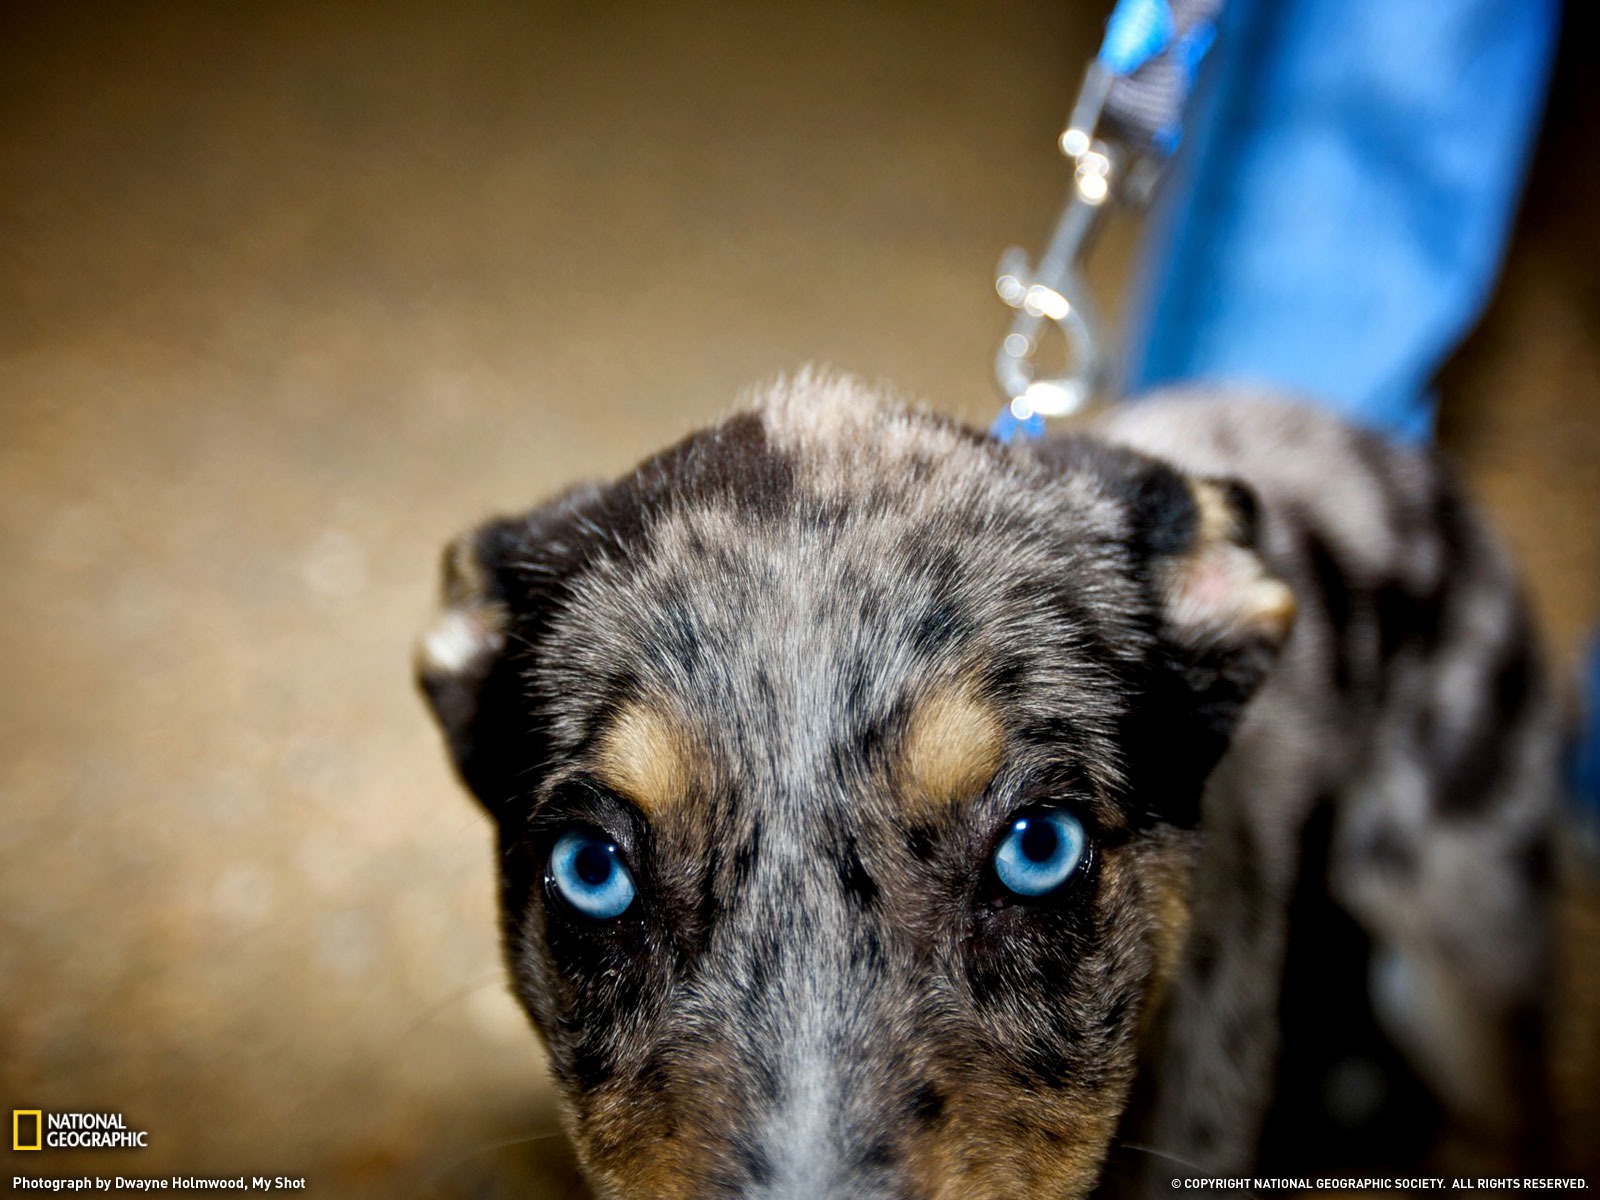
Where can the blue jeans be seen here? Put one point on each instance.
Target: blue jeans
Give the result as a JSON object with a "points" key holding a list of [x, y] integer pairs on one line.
{"points": [[1335, 224]]}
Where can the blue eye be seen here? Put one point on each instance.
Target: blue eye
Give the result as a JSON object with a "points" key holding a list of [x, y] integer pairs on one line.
{"points": [[586, 869], [1040, 852]]}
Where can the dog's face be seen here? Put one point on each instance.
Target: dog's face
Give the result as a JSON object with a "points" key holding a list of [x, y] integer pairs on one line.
{"points": [[845, 766]]}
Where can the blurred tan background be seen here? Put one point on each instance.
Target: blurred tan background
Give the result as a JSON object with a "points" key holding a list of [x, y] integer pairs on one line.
{"points": [[288, 294]]}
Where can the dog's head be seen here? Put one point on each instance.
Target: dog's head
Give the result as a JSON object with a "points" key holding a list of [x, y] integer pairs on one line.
{"points": [[845, 765]]}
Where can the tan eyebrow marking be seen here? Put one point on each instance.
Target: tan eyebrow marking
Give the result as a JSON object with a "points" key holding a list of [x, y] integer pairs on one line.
{"points": [[646, 758], [953, 746]]}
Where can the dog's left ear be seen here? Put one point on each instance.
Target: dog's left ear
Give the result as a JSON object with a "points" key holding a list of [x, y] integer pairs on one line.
{"points": [[1221, 617], [1215, 589]]}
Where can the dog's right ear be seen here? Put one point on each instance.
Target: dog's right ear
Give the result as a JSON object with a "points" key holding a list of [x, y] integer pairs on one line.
{"points": [[499, 583]]}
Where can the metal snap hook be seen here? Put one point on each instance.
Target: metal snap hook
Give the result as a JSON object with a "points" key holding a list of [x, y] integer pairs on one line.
{"points": [[1055, 293]]}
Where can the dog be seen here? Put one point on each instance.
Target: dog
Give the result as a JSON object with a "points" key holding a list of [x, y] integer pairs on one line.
{"points": [[884, 811]]}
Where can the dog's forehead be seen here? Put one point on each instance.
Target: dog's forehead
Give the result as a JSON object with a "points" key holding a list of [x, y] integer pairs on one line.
{"points": [[781, 648], [839, 584]]}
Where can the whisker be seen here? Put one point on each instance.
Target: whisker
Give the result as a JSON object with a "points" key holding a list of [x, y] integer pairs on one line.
{"points": [[453, 1164], [495, 978], [1178, 1161]]}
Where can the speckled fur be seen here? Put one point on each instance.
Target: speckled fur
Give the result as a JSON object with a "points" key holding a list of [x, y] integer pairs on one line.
{"points": [[821, 989]]}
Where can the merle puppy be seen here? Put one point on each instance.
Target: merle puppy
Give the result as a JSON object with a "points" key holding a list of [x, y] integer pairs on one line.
{"points": [[886, 812]]}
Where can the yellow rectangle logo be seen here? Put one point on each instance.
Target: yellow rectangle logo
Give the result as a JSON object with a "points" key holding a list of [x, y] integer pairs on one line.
{"points": [[17, 1114]]}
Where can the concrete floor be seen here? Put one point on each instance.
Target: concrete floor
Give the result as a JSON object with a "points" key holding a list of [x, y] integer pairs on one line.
{"points": [[288, 294]]}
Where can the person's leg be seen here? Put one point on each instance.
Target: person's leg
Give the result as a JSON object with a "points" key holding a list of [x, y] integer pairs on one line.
{"points": [[1337, 220]]}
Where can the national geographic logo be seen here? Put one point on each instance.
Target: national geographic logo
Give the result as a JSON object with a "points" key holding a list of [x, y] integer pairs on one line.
{"points": [[35, 1129], [23, 1120]]}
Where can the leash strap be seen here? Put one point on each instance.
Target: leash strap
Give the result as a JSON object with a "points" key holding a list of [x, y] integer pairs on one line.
{"points": [[1152, 51]]}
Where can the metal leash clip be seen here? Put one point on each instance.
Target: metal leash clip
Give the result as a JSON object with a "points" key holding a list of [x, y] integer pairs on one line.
{"points": [[1054, 291], [1138, 83]]}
